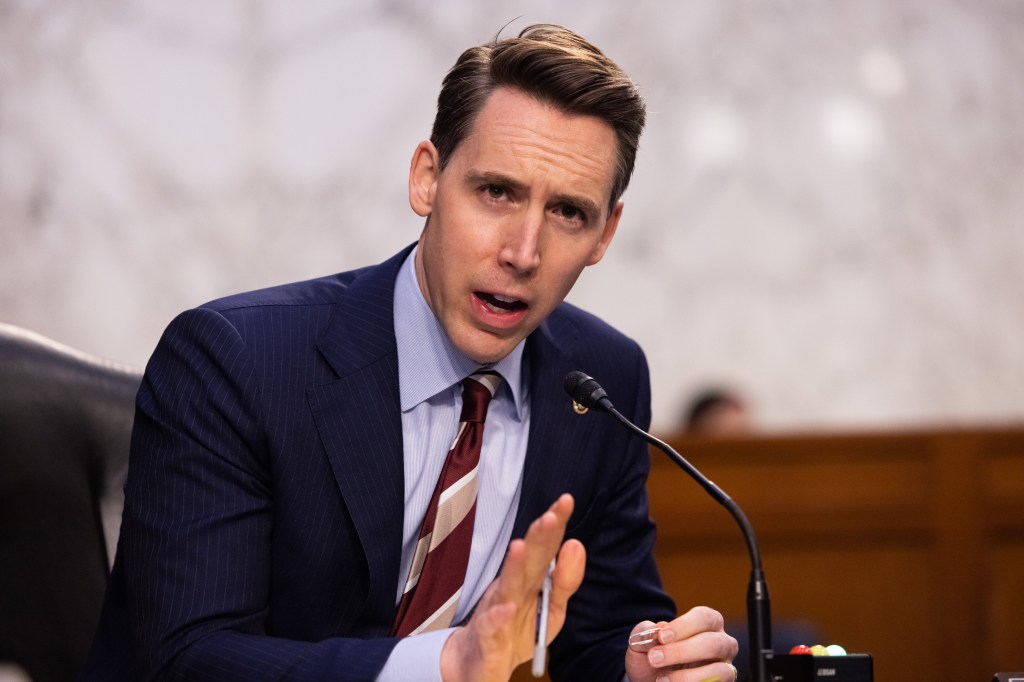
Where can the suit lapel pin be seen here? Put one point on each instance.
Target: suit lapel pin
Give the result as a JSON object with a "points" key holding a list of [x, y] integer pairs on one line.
{"points": [[579, 409]]}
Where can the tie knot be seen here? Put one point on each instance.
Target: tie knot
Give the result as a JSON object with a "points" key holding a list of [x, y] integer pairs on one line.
{"points": [[477, 391]]}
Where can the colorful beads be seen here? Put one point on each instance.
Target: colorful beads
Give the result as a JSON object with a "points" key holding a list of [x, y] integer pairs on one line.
{"points": [[818, 650]]}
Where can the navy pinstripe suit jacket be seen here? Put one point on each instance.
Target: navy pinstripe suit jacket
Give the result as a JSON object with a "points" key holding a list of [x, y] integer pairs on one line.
{"points": [[263, 515]]}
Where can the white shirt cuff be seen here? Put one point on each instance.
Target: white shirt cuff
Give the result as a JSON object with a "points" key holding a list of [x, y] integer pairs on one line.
{"points": [[416, 658]]}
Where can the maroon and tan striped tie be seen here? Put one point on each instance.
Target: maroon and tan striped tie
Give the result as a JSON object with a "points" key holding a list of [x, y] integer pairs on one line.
{"points": [[438, 569]]}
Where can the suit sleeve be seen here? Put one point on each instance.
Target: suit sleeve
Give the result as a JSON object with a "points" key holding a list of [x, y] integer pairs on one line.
{"points": [[195, 547], [621, 586]]}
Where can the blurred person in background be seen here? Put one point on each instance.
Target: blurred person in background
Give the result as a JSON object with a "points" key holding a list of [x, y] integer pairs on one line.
{"points": [[718, 411]]}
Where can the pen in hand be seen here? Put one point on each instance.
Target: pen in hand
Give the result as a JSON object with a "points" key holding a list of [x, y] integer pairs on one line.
{"points": [[543, 607]]}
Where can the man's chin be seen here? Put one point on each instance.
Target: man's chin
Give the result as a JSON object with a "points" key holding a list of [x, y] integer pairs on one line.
{"points": [[485, 348]]}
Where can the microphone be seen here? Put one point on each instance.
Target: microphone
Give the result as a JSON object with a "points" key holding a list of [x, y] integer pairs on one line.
{"points": [[587, 392]]}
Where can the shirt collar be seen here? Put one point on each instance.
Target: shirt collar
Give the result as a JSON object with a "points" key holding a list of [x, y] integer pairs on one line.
{"points": [[428, 362]]}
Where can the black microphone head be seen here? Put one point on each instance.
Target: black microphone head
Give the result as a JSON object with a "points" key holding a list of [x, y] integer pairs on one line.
{"points": [[585, 390]]}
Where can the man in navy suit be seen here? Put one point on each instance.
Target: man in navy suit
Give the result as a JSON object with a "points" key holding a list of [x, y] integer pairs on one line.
{"points": [[287, 440]]}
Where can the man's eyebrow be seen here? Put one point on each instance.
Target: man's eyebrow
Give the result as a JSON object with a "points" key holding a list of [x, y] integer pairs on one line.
{"points": [[589, 208], [478, 177]]}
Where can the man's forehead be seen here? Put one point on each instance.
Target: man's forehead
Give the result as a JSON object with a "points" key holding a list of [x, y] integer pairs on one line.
{"points": [[516, 133]]}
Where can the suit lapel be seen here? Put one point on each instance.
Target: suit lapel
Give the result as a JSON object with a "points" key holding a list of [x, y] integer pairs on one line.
{"points": [[558, 436], [359, 419]]}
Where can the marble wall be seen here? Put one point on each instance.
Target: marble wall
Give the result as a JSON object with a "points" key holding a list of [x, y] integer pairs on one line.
{"points": [[827, 212]]}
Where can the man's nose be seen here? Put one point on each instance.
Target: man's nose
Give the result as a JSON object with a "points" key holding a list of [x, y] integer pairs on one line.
{"points": [[521, 251]]}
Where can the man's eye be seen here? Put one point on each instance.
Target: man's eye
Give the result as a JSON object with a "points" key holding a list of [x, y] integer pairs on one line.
{"points": [[570, 212], [495, 191]]}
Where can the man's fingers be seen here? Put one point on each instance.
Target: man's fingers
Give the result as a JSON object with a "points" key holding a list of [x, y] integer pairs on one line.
{"points": [[568, 575], [549, 528], [527, 559], [696, 620], [572, 562], [506, 617], [694, 644], [702, 648], [563, 506], [695, 639]]}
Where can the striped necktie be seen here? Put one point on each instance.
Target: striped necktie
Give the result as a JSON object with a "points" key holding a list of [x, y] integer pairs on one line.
{"points": [[438, 570]]}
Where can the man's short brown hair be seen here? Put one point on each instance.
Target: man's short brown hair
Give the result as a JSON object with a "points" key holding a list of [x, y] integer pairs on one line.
{"points": [[554, 65]]}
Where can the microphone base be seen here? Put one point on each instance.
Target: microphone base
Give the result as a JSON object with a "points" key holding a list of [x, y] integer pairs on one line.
{"points": [[805, 668]]}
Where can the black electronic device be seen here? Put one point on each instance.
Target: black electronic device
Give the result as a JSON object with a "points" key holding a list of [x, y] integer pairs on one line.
{"points": [[807, 668]]}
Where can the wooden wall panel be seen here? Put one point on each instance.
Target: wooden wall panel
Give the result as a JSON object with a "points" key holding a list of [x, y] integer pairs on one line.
{"points": [[1004, 629], [906, 546], [848, 595]]}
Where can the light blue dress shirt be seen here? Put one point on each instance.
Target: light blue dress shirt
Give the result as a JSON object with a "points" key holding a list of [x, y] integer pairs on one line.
{"points": [[430, 372]]}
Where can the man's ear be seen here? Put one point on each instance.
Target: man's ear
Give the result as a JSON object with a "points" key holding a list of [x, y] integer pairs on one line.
{"points": [[423, 174], [610, 226]]}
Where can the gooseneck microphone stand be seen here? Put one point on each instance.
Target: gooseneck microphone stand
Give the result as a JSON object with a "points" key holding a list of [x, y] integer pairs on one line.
{"points": [[587, 392]]}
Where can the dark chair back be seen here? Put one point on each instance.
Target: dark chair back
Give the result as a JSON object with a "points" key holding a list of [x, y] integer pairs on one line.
{"points": [[65, 426]]}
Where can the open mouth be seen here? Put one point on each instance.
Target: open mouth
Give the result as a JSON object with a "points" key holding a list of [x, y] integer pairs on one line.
{"points": [[500, 304]]}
